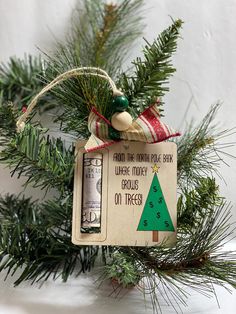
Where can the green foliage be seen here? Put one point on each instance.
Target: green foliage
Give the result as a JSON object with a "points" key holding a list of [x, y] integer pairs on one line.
{"points": [[197, 202], [8, 117], [98, 38], [32, 240], [122, 271], [19, 79], [45, 162], [201, 150], [197, 261], [151, 75]]}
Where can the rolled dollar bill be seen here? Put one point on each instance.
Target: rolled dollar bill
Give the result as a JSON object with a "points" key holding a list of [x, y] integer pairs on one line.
{"points": [[92, 190]]}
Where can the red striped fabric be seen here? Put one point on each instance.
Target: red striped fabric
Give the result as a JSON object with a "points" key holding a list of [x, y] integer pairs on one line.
{"points": [[146, 128]]}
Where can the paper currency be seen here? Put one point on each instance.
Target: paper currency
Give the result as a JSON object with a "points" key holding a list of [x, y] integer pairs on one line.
{"points": [[92, 190]]}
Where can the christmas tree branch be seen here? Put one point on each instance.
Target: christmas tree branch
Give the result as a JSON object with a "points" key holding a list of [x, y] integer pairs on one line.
{"points": [[44, 161], [197, 261], [8, 116], [197, 202], [35, 242], [201, 150], [98, 35], [153, 72], [19, 79], [98, 38]]}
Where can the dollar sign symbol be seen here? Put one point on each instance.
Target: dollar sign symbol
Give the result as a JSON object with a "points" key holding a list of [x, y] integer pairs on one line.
{"points": [[158, 215], [155, 188], [167, 224], [145, 223], [160, 200], [151, 204]]}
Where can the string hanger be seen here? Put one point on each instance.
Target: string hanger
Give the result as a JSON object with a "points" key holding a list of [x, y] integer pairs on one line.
{"points": [[80, 71]]}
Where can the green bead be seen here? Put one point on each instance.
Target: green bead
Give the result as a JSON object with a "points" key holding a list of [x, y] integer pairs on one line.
{"points": [[120, 103]]}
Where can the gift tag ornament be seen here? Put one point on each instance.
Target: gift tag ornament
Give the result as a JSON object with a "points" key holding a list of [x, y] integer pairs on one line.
{"points": [[125, 179], [137, 206]]}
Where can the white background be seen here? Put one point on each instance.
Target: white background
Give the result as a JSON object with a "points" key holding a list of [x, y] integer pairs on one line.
{"points": [[206, 72]]}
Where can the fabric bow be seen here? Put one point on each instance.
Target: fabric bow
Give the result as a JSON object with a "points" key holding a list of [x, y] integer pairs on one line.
{"points": [[146, 128]]}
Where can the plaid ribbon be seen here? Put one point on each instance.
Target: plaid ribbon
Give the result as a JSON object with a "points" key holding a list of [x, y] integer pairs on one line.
{"points": [[146, 128]]}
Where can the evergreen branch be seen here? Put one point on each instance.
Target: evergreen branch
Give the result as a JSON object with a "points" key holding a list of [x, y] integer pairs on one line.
{"points": [[197, 202], [44, 161], [99, 37], [195, 262], [8, 116], [201, 151], [28, 240], [153, 72], [19, 79], [78, 96]]}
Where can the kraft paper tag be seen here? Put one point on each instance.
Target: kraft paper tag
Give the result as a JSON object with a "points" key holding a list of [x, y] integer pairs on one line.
{"points": [[128, 192]]}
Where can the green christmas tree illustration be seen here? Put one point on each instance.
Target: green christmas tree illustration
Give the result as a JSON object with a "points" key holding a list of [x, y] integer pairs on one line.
{"points": [[155, 215]]}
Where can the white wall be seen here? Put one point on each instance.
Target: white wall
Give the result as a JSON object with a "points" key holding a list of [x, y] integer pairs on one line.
{"points": [[28, 24]]}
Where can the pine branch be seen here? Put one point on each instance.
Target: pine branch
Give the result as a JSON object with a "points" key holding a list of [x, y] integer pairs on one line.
{"points": [[153, 72], [196, 261], [77, 97], [8, 116], [19, 79], [201, 150], [44, 161], [197, 202], [99, 37], [29, 240]]}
